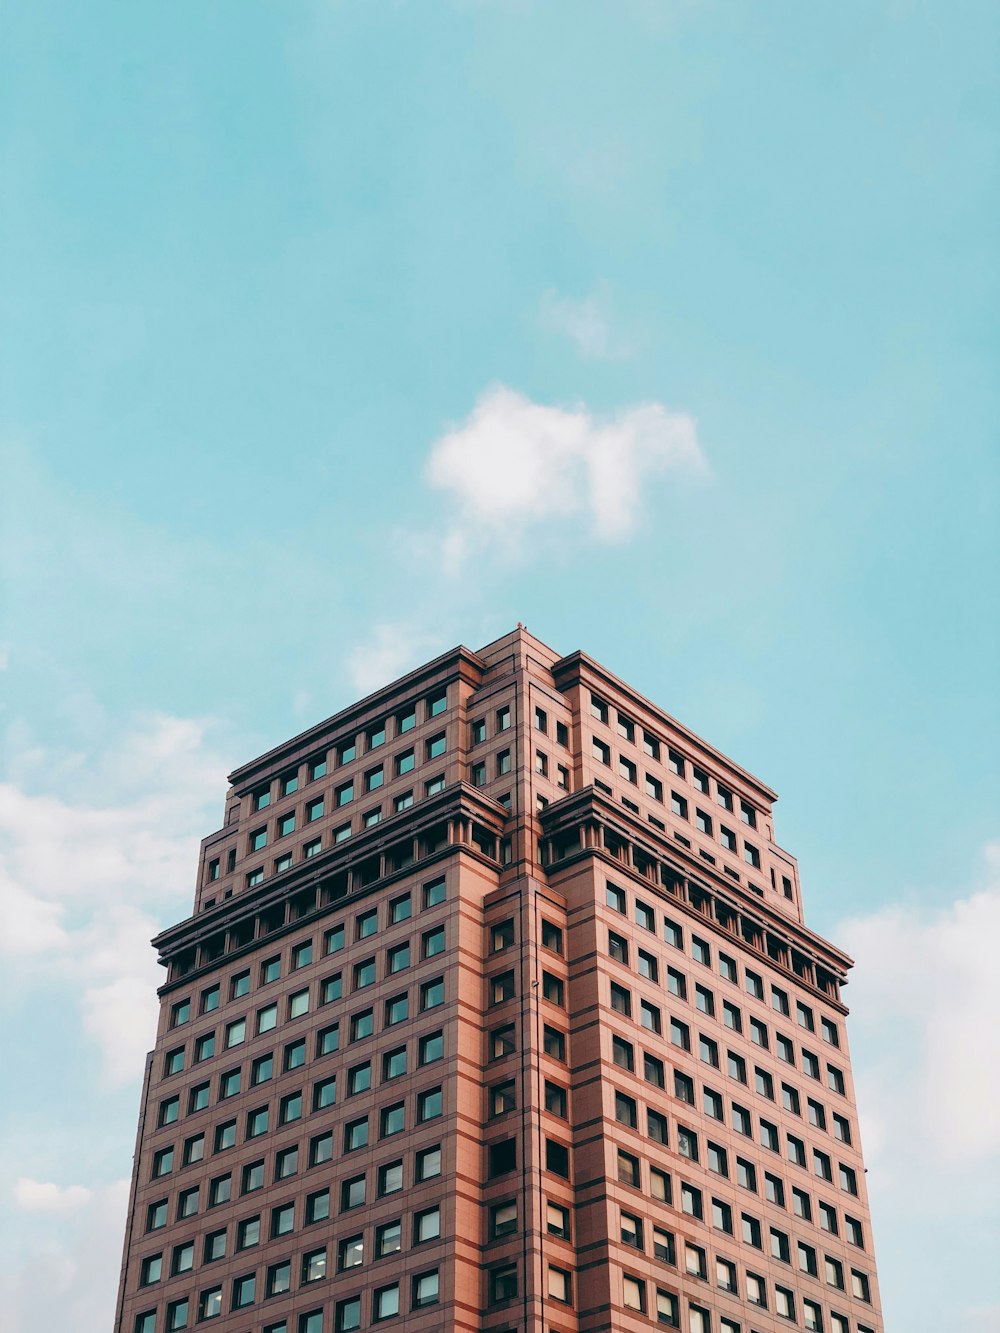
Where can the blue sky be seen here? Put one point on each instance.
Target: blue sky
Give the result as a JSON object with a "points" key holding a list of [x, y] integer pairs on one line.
{"points": [[282, 284]]}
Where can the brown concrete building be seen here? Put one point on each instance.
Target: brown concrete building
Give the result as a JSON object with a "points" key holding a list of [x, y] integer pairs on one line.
{"points": [[497, 1011]]}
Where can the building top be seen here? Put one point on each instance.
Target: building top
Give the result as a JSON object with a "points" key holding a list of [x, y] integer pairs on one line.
{"points": [[520, 647]]}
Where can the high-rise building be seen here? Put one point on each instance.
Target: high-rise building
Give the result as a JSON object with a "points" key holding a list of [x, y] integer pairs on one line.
{"points": [[497, 1011]]}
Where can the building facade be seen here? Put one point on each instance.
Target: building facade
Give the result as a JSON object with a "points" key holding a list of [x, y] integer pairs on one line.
{"points": [[497, 1011]]}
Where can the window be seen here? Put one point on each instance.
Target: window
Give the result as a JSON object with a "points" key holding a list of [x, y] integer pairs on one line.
{"points": [[163, 1162], [151, 1269], [398, 958], [633, 1293], [764, 1083], [364, 974], [704, 1000], [320, 1148], [425, 1289], [432, 993], [502, 1283], [713, 1104], [622, 1053], [860, 1286], [557, 1158], [656, 1126], [774, 1189], [385, 1302], [347, 1316], [426, 1225], [653, 1070], [432, 942], [779, 1000], [848, 1179], [679, 805], [676, 983], [388, 1239], [554, 1042], [204, 1047], [236, 1033], [649, 1016], [725, 1280], [210, 1303], [502, 987], [769, 1135], [742, 1121], [746, 1174], [434, 785], [621, 999], [502, 1098], [628, 1169], [780, 1248], [758, 1033], [290, 1108], [359, 1078], [802, 1206], [618, 947], [552, 989], [430, 1104], [220, 1190], [352, 1193], [680, 1034], [687, 1143], [708, 1051], [683, 1087], [691, 1200], [428, 1163], [626, 1111]]}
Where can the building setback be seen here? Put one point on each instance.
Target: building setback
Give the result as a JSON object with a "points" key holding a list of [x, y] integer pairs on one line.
{"points": [[497, 1011]]}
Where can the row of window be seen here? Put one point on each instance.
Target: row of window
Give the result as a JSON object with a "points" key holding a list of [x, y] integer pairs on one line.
{"points": [[720, 1214], [701, 951], [742, 1123], [424, 1291], [679, 806], [396, 1009], [370, 781], [347, 751], [392, 1120], [650, 1016], [677, 764], [646, 1298], [248, 1233], [317, 1205], [314, 811], [748, 1177], [302, 952], [623, 1055], [358, 1078], [298, 1004], [636, 1229]]}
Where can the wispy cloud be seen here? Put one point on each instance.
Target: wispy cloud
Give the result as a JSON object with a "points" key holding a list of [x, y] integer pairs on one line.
{"points": [[926, 1058], [388, 651], [68, 1276], [37, 1196], [516, 468], [587, 323], [87, 877], [928, 983]]}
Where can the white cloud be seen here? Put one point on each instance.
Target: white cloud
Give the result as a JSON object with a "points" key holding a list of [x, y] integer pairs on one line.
{"points": [[924, 998], [515, 468], [930, 981], [37, 1196], [586, 322], [67, 1275], [87, 878], [390, 650]]}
